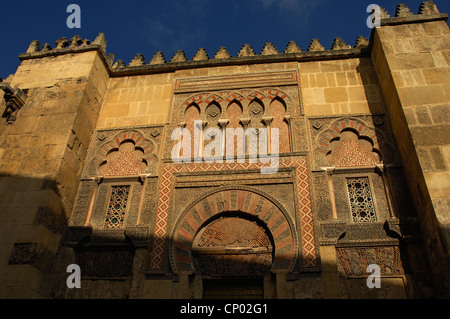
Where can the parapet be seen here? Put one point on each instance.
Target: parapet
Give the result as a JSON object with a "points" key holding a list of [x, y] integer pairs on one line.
{"points": [[269, 53], [64, 46]]}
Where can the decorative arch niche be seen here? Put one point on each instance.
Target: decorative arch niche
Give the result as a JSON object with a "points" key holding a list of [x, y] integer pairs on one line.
{"points": [[352, 143], [127, 153], [233, 203], [278, 112], [349, 150], [233, 245]]}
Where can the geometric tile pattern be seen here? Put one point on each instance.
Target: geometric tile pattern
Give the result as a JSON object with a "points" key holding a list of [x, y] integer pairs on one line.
{"points": [[117, 207], [308, 247], [349, 150], [355, 125], [361, 201], [126, 158], [125, 161]]}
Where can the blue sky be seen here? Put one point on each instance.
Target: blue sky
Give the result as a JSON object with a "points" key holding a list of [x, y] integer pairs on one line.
{"points": [[138, 26]]}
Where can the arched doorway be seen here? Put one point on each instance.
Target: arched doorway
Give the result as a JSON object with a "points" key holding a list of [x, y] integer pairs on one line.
{"points": [[233, 233], [233, 254], [232, 246]]}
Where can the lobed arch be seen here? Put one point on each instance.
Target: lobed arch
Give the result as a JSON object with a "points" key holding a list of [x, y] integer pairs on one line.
{"points": [[363, 132], [232, 200], [145, 145], [242, 97]]}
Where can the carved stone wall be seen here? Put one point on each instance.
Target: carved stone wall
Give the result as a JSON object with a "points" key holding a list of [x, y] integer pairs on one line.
{"points": [[143, 225]]}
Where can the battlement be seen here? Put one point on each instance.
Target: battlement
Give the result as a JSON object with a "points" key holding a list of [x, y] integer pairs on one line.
{"points": [[427, 11]]}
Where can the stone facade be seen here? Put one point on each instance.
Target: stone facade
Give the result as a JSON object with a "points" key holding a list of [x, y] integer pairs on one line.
{"points": [[362, 177]]}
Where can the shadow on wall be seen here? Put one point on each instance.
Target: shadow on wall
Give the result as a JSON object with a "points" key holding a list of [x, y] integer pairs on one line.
{"points": [[400, 204], [32, 223]]}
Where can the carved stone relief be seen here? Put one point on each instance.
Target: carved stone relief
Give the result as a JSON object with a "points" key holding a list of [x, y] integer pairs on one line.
{"points": [[350, 142], [123, 152]]}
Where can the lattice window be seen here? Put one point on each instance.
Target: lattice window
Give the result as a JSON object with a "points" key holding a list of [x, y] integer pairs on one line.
{"points": [[361, 200], [117, 207]]}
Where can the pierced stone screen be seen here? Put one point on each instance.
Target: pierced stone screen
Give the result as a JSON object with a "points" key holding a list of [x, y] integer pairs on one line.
{"points": [[117, 207], [361, 200]]}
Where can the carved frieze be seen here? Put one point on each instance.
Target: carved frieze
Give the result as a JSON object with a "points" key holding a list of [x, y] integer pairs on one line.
{"points": [[209, 83]]}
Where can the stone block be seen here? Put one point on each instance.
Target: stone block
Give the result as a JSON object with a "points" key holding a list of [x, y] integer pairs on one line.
{"points": [[313, 96], [438, 183], [422, 115], [321, 80], [330, 66], [435, 28], [17, 233], [436, 135], [424, 95], [309, 67], [356, 93], [335, 95], [436, 76], [410, 116], [440, 113], [331, 80], [411, 61], [438, 158], [341, 79]]}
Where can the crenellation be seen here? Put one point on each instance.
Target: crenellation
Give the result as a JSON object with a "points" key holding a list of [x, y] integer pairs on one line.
{"points": [[222, 53], [35, 46], [383, 13], [110, 59], [46, 48], [361, 42], [246, 50], [179, 56], [269, 49], [61, 43], [201, 55], [101, 41], [75, 41], [158, 58], [428, 7], [119, 64], [315, 45], [339, 44], [138, 60], [86, 43], [402, 11], [292, 47]]}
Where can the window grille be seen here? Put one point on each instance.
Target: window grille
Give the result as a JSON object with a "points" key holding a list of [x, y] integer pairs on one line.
{"points": [[117, 207], [361, 200]]}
